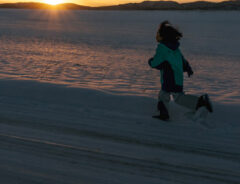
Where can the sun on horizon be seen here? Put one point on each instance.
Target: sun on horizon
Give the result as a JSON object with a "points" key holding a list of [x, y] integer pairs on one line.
{"points": [[53, 2]]}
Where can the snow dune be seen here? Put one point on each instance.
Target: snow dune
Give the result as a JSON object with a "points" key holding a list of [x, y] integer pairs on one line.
{"points": [[60, 134]]}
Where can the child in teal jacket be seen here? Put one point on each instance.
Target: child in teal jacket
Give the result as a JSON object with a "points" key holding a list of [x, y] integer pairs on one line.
{"points": [[171, 63]]}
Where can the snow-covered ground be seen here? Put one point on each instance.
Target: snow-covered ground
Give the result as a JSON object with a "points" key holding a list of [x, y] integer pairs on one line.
{"points": [[109, 50], [58, 134], [77, 96]]}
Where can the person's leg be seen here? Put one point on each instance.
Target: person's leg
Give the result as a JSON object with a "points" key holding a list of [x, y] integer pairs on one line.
{"points": [[163, 101], [193, 102], [188, 101]]}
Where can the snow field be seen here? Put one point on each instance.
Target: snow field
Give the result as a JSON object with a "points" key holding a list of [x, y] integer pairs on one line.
{"points": [[55, 133]]}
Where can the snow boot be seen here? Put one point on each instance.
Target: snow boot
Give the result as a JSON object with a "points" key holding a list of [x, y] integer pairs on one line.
{"points": [[204, 101], [163, 112]]}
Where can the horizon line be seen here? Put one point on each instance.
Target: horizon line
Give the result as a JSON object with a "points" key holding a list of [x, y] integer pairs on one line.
{"points": [[38, 2]]}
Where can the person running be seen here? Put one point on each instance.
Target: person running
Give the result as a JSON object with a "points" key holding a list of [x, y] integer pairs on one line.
{"points": [[172, 64]]}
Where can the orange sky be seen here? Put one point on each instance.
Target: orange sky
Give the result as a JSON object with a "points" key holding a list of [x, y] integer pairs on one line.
{"points": [[91, 2]]}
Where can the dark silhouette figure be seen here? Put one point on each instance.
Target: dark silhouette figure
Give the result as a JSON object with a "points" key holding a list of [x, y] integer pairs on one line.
{"points": [[172, 64]]}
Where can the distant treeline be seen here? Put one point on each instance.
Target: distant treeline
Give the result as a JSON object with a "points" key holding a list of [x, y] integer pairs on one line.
{"points": [[146, 5]]}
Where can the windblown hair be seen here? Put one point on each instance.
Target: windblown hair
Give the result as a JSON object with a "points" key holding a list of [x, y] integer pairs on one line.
{"points": [[168, 32]]}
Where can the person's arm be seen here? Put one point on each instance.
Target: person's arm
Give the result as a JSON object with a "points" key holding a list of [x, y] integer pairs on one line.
{"points": [[157, 60], [186, 67]]}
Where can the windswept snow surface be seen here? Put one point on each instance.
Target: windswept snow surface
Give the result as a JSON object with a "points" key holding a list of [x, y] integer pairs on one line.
{"points": [[109, 50], [58, 134], [77, 96]]}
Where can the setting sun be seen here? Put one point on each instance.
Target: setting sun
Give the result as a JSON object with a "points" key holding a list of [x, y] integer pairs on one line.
{"points": [[53, 2]]}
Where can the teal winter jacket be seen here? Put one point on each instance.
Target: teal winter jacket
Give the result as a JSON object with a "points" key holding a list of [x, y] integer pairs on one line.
{"points": [[171, 63]]}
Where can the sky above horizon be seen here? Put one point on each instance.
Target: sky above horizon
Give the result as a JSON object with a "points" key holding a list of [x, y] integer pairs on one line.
{"points": [[90, 2]]}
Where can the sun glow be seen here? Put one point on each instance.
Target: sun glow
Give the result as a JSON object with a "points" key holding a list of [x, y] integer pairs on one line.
{"points": [[53, 2]]}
